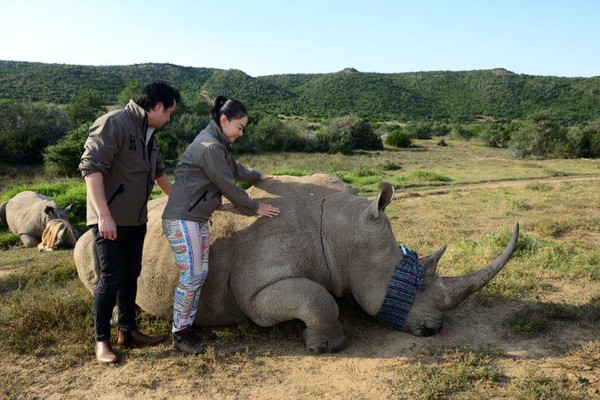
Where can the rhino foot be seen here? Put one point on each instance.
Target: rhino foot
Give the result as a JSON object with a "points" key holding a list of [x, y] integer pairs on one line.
{"points": [[319, 342], [29, 241]]}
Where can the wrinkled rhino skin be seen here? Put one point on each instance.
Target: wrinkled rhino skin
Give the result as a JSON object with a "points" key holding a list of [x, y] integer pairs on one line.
{"points": [[27, 214], [327, 242]]}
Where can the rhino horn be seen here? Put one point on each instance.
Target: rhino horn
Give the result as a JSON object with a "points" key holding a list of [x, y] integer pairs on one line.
{"points": [[430, 262], [454, 290]]}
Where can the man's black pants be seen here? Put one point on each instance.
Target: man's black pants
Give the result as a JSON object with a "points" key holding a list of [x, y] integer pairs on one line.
{"points": [[120, 266]]}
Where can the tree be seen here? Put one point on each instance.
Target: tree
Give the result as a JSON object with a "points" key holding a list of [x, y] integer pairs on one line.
{"points": [[131, 92], [62, 159], [86, 107], [399, 138], [539, 135], [27, 128], [495, 135]]}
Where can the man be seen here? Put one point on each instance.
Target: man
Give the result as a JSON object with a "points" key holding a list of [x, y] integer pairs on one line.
{"points": [[120, 164]]}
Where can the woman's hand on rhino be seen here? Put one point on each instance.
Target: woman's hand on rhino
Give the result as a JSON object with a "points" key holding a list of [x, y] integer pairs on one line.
{"points": [[267, 210], [107, 227]]}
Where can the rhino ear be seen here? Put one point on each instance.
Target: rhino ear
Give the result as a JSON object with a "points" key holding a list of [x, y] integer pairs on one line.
{"points": [[384, 198], [49, 210]]}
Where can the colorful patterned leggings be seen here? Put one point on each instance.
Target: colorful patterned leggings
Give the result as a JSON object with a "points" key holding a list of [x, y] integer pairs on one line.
{"points": [[189, 242]]}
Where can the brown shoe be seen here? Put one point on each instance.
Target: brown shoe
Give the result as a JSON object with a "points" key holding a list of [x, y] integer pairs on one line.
{"points": [[137, 338], [104, 353]]}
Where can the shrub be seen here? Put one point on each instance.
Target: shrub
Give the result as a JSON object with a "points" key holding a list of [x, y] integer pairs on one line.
{"points": [[348, 133], [174, 138], [62, 159], [271, 134], [389, 165], [584, 141], [86, 107], [419, 130], [399, 138], [461, 132], [440, 129], [540, 135], [27, 128], [495, 135]]}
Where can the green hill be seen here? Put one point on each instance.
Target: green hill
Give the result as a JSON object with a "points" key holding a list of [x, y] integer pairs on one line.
{"points": [[437, 95]]}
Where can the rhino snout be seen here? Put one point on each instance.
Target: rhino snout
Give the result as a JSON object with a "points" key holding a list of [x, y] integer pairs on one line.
{"points": [[63, 246]]}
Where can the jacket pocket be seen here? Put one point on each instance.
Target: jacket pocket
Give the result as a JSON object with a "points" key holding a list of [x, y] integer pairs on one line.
{"points": [[203, 197], [120, 190]]}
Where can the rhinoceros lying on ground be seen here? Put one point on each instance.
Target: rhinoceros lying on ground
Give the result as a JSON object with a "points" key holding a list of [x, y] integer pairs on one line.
{"points": [[27, 215], [327, 242]]}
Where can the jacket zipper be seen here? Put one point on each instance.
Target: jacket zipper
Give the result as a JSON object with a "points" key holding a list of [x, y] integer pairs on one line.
{"points": [[119, 190], [148, 177], [203, 197]]}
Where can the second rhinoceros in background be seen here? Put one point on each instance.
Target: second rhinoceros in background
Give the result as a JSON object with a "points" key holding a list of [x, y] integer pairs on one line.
{"points": [[327, 242], [27, 215]]}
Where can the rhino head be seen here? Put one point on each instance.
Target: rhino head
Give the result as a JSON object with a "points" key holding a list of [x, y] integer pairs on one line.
{"points": [[443, 293], [377, 280]]}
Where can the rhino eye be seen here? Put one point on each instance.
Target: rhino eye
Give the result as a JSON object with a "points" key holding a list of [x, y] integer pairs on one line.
{"points": [[425, 331], [430, 331]]}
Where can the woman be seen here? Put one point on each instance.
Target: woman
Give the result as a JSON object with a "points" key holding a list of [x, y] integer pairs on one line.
{"points": [[205, 171]]}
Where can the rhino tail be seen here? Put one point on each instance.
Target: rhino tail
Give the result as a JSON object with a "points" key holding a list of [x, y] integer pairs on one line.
{"points": [[3, 213]]}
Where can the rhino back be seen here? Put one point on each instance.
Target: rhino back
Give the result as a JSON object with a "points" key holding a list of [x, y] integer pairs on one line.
{"points": [[247, 253], [25, 213]]}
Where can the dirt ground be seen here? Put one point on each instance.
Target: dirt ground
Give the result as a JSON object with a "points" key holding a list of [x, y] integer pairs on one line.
{"points": [[267, 367]]}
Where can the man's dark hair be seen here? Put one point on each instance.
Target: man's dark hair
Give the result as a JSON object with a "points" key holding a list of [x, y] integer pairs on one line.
{"points": [[158, 92]]}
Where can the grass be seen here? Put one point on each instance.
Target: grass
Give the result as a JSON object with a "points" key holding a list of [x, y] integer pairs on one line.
{"points": [[466, 196], [540, 318], [439, 373]]}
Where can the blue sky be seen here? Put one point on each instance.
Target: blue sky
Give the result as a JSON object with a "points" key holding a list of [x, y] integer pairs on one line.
{"points": [[259, 37]]}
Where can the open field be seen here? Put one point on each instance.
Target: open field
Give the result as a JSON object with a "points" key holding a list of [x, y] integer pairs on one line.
{"points": [[532, 333]]}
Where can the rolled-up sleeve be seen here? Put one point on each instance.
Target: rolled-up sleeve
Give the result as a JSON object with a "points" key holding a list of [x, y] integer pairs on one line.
{"points": [[216, 168], [246, 175], [99, 148]]}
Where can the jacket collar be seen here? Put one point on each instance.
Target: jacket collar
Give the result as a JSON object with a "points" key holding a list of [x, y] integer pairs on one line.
{"points": [[139, 115], [216, 132]]}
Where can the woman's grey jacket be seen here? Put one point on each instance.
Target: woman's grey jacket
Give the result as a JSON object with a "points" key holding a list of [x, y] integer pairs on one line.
{"points": [[205, 171]]}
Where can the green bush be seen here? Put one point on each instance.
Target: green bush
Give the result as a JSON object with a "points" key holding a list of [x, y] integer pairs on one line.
{"points": [[495, 135], [271, 134], [399, 138], [419, 129], [62, 159], [440, 129], [175, 137], [344, 134], [540, 135], [462, 132], [27, 128], [86, 107], [583, 141], [389, 165]]}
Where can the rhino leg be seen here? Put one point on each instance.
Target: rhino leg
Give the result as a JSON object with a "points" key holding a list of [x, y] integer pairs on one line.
{"points": [[3, 213], [29, 241], [300, 298]]}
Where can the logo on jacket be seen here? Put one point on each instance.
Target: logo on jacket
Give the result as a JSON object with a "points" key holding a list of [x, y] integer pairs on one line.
{"points": [[132, 145]]}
